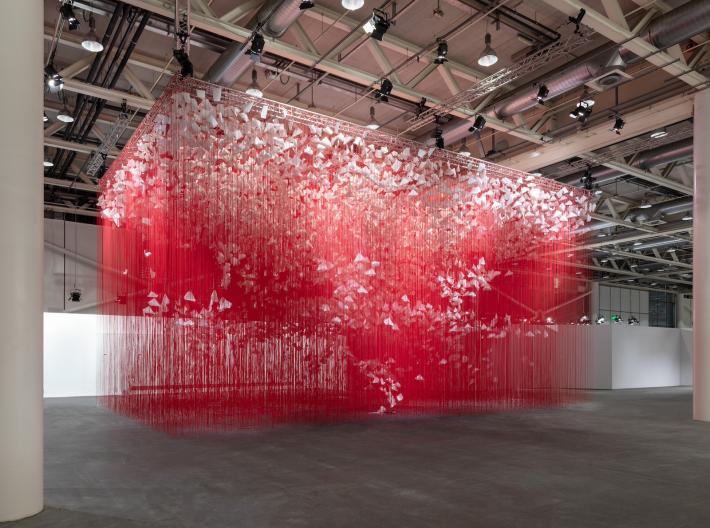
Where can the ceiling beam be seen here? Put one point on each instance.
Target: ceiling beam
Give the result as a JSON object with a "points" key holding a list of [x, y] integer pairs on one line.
{"points": [[643, 175], [331, 67], [649, 258], [76, 147], [390, 41], [137, 84], [641, 47], [629, 238], [627, 273], [71, 210], [624, 223], [108, 94], [645, 119], [69, 184]]}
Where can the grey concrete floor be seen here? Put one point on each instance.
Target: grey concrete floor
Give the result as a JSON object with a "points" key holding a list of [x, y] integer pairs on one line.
{"points": [[623, 459]]}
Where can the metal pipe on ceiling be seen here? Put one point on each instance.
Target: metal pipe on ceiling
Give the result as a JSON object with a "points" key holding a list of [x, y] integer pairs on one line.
{"points": [[679, 205], [678, 25], [667, 30], [662, 155], [273, 19]]}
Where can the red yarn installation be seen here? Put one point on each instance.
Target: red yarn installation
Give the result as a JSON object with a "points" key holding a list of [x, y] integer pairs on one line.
{"points": [[264, 264]]}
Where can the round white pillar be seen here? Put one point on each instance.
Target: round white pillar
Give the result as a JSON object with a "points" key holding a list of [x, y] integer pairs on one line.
{"points": [[21, 264], [701, 257]]}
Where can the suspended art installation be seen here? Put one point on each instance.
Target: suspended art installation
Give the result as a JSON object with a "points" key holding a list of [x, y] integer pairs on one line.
{"points": [[265, 264]]}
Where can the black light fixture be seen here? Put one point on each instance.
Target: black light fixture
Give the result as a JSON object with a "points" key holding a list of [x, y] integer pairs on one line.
{"points": [[442, 50], [54, 80], [542, 93], [577, 20], [257, 47], [478, 124], [67, 13], [378, 24], [583, 109], [306, 4], [421, 106], [186, 69], [588, 180], [385, 90], [618, 124], [439, 137], [75, 295]]}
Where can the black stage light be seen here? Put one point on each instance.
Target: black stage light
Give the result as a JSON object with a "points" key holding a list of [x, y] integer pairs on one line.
{"points": [[542, 93], [378, 24], [588, 180], [257, 46], [306, 4], [618, 124], [186, 69], [478, 124], [75, 295], [577, 20], [67, 13], [439, 137], [442, 51], [385, 90], [54, 79]]}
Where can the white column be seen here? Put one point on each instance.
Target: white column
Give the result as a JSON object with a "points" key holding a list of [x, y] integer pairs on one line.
{"points": [[21, 233], [701, 258]]}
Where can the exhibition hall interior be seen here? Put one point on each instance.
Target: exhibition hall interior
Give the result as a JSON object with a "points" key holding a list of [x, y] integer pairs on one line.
{"points": [[346, 263]]}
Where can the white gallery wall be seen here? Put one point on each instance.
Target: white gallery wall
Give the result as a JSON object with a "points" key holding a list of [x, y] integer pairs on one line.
{"points": [[70, 354]]}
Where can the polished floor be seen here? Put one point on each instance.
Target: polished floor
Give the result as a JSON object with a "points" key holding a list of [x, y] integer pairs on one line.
{"points": [[624, 459]]}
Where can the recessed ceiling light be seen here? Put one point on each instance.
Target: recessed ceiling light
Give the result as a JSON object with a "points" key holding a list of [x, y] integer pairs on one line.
{"points": [[661, 132], [638, 243], [672, 250], [535, 154], [645, 205], [687, 218], [48, 163]]}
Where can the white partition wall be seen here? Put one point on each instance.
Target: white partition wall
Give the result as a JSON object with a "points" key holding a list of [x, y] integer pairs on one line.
{"points": [[629, 357], [645, 357], [70, 354]]}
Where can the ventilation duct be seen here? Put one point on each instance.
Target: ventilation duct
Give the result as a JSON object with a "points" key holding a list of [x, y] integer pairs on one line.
{"points": [[679, 205], [659, 242], [666, 30], [678, 25], [557, 84], [274, 17], [662, 155]]}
